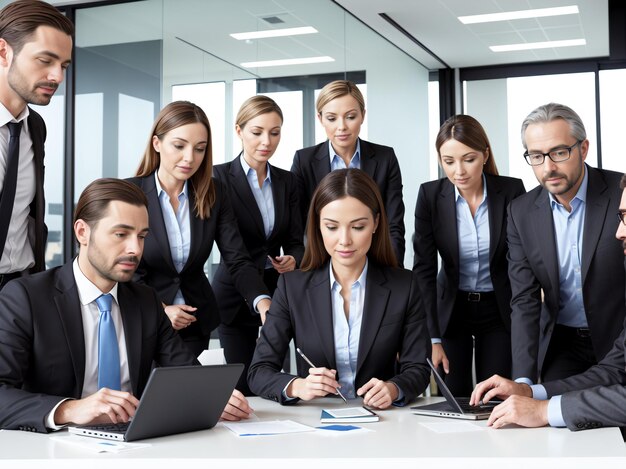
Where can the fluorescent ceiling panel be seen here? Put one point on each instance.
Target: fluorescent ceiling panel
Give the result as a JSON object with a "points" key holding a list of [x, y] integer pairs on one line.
{"points": [[277, 63], [538, 45], [522, 14], [274, 33]]}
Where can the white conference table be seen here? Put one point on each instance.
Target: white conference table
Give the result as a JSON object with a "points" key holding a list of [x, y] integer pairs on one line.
{"points": [[400, 438]]}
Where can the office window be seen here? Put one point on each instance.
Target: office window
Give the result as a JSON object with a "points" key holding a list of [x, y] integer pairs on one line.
{"points": [[612, 109]]}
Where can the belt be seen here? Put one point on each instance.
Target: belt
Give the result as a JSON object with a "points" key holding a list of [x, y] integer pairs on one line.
{"points": [[583, 332], [476, 296]]}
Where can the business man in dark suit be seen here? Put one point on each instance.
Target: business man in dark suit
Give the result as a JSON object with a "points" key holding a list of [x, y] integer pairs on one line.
{"points": [[593, 399], [51, 369], [239, 326], [311, 164], [437, 232], [35, 50], [157, 267], [562, 248]]}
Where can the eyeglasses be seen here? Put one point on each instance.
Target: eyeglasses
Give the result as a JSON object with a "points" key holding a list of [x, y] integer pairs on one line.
{"points": [[620, 216], [557, 155]]}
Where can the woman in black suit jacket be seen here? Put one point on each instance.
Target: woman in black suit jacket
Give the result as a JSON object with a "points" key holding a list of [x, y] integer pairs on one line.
{"points": [[188, 211], [341, 111], [355, 315], [463, 218], [265, 201]]}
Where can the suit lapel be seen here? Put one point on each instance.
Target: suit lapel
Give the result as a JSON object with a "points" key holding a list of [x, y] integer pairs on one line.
{"points": [[320, 309], [68, 307], [321, 163], [543, 228], [196, 226], [495, 204], [368, 159], [131, 318], [239, 182], [595, 214], [446, 207], [278, 196], [158, 231], [374, 309]]}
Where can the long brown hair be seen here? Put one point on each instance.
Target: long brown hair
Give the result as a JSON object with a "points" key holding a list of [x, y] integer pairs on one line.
{"points": [[336, 185], [468, 131], [172, 116]]}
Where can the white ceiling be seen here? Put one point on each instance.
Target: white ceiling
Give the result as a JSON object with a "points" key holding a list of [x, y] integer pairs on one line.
{"points": [[434, 23], [193, 26]]}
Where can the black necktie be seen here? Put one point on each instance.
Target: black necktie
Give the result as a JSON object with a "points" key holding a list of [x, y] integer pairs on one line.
{"points": [[10, 181]]}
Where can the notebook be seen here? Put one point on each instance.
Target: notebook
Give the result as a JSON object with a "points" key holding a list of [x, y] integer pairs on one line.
{"points": [[176, 399], [454, 407], [348, 415]]}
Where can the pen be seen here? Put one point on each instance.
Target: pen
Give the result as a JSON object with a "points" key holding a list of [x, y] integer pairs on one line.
{"points": [[306, 359]]}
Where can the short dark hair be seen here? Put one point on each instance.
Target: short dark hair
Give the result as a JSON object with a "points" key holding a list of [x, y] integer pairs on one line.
{"points": [[20, 19], [94, 201], [622, 182], [337, 185]]}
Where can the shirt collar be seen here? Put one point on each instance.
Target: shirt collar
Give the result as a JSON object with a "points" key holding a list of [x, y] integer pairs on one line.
{"points": [[87, 291], [160, 189], [580, 195], [356, 157], [359, 281], [457, 194], [246, 168], [6, 116]]}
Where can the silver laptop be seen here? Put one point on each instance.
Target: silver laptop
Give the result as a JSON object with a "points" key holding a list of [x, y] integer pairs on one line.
{"points": [[454, 407], [176, 399]]}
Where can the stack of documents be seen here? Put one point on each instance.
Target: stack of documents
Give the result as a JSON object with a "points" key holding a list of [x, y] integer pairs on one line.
{"points": [[348, 415]]}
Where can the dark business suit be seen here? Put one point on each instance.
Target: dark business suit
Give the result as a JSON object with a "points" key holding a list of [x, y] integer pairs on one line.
{"points": [[239, 327], [157, 268], [311, 164], [393, 343], [533, 268], [37, 230], [597, 397], [436, 231], [42, 358]]}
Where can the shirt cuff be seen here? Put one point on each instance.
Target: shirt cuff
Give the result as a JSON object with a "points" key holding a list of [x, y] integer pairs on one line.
{"points": [[400, 400], [284, 393], [49, 421], [555, 414], [539, 392], [524, 380], [256, 302], [435, 340]]}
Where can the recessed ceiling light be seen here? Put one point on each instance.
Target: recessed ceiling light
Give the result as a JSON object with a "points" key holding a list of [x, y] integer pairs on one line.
{"points": [[276, 63], [538, 45], [274, 33], [522, 14]]}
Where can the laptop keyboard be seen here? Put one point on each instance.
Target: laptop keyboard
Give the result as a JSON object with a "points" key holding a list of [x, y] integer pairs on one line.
{"points": [[109, 427], [473, 409]]}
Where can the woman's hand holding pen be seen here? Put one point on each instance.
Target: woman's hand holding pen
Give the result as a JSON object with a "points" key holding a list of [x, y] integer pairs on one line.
{"points": [[378, 394], [319, 383]]}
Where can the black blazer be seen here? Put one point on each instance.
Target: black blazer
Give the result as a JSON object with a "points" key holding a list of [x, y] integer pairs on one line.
{"points": [[533, 268], [393, 345], [287, 232], [311, 164], [157, 268], [436, 231], [43, 345]]}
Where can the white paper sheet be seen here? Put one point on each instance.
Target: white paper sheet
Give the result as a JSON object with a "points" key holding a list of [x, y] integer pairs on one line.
{"points": [[273, 427]]}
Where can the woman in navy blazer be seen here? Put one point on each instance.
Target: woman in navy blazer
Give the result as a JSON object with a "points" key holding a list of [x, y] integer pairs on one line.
{"points": [[341, 111], [188, 211], [265, 201], [462, 217], [356, 316]]}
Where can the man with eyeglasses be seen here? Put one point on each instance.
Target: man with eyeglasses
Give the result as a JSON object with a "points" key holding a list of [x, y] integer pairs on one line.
{"points": [[565, 265], [593, 399]]}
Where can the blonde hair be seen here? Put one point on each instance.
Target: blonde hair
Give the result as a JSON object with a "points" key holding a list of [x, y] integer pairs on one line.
{"points": [[256, 106], [337, 89]]}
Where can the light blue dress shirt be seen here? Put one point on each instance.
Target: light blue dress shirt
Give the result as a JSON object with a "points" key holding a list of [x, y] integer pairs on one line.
{"points": [[568, 228], [336, 162], [555, 414], [347, 331], [473, 233], [178, 228]]}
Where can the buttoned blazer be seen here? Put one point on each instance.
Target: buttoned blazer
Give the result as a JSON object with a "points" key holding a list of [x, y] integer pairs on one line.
{"points": [[42, 358], [534, 268], [311, 164], [287, 232], [597, 397], [393, 344], [157, 267], [436, 231]]}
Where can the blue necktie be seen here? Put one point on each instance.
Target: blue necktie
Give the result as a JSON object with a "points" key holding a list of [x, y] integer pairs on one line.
{"points": [[108, 350]]}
